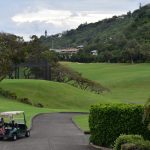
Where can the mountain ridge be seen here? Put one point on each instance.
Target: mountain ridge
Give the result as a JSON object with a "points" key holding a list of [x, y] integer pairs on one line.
{"points": [[95, 28]]}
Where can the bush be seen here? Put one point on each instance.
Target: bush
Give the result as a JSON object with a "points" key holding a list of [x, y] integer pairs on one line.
{"points": [[131, 142], [64, 74], [124, 139], [8, 94], [129, 146], [108, 121], [25, 101], [39, 105]]}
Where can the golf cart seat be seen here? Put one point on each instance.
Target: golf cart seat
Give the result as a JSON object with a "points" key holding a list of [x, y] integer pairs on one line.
{"points": [[22, 126]]}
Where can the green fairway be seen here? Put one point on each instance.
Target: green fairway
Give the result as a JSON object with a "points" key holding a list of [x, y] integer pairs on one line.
{"points": [[53, 95], [56, 97], [82, 122], [128, 83], [11, 105]]}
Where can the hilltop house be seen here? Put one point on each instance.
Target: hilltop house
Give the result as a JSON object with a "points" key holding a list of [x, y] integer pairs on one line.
{"points": [[69, 51], [94, 52]]}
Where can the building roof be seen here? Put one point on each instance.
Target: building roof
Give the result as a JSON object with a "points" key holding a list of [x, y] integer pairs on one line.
{"points": [[10, 113], [68, 50]]}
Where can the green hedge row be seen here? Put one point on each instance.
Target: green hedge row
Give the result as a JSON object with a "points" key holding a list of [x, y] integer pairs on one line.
{"points": [[108, 121], [131, 142]]}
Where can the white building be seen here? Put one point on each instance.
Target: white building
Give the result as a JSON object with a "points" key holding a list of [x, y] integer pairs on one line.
{"points": [[69, 51], [94, 52]]}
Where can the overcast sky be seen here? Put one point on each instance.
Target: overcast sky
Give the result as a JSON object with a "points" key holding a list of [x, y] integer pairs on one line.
{"points": [[28, 17]]}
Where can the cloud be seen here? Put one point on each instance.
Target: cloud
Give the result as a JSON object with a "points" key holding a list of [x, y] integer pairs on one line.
{"points": [[60, 18], [28, 17]]}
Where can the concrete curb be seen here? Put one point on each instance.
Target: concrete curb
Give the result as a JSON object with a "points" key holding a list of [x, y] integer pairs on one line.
{"points": [[85, 132], [99, 147]]}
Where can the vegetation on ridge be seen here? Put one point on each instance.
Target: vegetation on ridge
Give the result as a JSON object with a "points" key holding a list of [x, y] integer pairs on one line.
{"points": [[123, 38]]}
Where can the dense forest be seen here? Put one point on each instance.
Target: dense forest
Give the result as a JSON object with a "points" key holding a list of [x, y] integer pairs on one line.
{"points": [[123, 38]]}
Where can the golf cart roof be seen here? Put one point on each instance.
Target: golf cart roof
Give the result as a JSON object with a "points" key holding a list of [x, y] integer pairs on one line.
{"points": [[11, 113]]}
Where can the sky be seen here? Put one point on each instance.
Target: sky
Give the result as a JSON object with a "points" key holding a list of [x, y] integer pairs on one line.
{"points": [[33, 17]]}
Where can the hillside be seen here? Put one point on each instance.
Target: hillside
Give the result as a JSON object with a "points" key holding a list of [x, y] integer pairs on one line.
{"points": [[53, 95], [128, 83], [94, 33], [117, 39]]}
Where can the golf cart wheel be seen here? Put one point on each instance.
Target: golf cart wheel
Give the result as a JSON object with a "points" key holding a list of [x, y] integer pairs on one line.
{"points": [[1, 138], [14, 137], [27, 133]]}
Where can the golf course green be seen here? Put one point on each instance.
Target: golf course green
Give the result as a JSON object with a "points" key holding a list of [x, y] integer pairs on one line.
{"points": [[127, 83]]}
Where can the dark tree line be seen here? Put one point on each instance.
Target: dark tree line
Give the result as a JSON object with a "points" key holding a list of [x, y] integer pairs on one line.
{"points": [[116, 50]]}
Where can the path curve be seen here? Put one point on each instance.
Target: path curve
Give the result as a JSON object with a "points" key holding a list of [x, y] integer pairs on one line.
{"points": [[54, 131]]}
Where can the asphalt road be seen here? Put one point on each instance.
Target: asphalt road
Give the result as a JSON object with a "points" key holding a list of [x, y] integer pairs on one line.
{"points": [[51, 132]]}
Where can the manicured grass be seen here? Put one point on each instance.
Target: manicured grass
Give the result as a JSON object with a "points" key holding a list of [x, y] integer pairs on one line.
{"points": [[56, 97], [30, 111], [128, 83], [82, 122], [53, 95]]}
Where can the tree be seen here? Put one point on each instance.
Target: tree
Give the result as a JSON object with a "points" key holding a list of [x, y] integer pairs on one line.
{"points": [[11, 52], [107, 56], [132, 51]]}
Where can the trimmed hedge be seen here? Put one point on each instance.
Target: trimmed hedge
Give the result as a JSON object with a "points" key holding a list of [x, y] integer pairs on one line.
{"points": [[131, 142], [109, 121]]}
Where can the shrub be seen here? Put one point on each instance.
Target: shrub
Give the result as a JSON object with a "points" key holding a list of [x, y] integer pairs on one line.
{"points": [[131, 142], [39, 105], [129, 146], [108, 121], [12, 95], [143, 145], [25, 101], [8, 94], [62, 73], [124, 139]]}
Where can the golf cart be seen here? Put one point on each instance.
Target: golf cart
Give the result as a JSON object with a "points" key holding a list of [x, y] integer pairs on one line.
{"points": [[13, 125]]}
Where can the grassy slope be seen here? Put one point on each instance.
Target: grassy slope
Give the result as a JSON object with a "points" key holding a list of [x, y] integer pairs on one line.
{"points": [[10, 105], [128, 83], [53, 95]]}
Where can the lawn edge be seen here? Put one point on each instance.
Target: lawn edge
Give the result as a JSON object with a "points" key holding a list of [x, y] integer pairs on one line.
{"points": [[85, 132]]}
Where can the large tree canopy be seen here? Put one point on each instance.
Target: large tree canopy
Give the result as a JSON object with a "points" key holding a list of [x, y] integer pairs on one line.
{"points": [[11, 52]]}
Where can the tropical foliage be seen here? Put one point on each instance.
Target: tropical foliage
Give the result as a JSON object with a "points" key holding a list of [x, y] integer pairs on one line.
{"points": [[123, 38]]}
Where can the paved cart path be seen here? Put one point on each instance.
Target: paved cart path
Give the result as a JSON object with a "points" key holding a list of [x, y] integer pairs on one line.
{"points": [[51, 132]]}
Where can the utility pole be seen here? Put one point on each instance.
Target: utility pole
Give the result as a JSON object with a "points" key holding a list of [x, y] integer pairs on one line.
{"points": [[140, 5], [46, 33]]}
